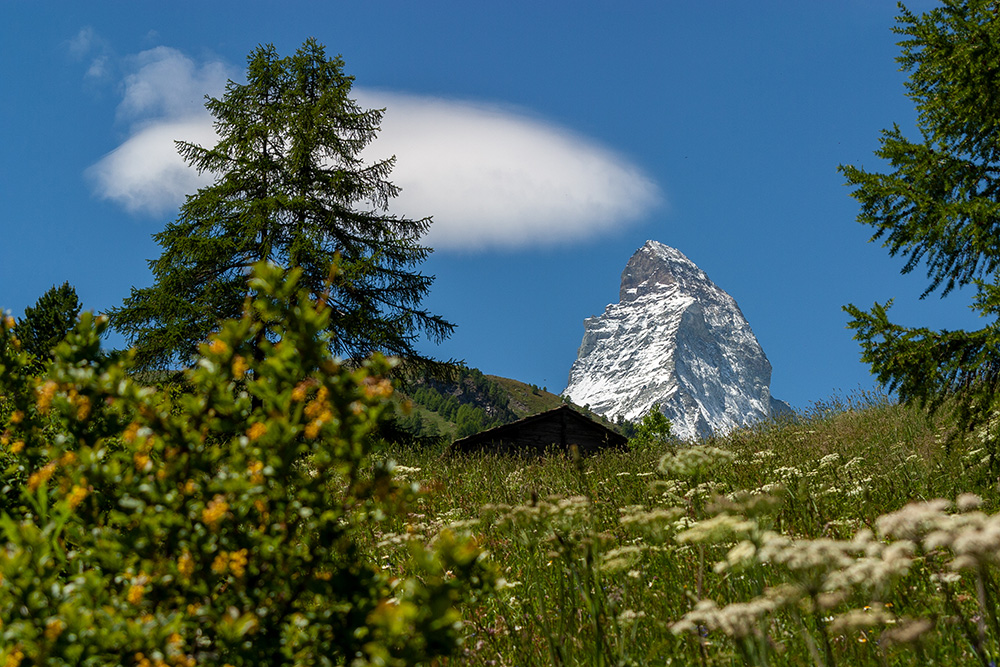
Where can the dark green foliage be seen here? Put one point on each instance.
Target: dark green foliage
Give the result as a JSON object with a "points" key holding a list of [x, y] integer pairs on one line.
{"points": [[291, 189], [469, 399], [939, 206], [625, 427], [48, 321], [652, 432]]}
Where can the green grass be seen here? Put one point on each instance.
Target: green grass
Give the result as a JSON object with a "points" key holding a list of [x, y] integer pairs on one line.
{"points": [[525, 399], [604, 557]]}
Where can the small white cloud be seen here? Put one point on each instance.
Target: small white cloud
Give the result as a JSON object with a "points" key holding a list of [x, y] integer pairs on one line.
{"points": [[166, 84], [490, 176], [82, 43], [88, 44]]}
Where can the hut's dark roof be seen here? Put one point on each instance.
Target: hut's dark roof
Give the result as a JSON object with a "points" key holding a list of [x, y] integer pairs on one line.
{"points": [[560, 428]]}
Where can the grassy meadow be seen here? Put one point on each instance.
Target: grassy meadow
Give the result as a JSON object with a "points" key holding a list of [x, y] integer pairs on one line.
{"points": [[819, 541]]}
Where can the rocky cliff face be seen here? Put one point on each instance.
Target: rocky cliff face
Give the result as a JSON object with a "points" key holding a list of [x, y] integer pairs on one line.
{"points": [[677, 339]]}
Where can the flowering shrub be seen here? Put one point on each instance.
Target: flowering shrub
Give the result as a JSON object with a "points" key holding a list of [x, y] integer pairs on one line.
{"points": [[220, 525]]}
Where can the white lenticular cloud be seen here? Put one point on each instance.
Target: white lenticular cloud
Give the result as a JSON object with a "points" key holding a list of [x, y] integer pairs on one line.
{"points": [[163, 103], [146, 174], [167, 84], [489, 176], [493, 177]]}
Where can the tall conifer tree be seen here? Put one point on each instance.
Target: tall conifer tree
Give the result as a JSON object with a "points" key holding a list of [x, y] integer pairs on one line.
{"points": [[939, 206], [290, 188]]}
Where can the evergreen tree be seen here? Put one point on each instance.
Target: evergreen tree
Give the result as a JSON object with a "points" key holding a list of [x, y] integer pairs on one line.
{"points": [[290, 188], [938, 205], [47, 322]]}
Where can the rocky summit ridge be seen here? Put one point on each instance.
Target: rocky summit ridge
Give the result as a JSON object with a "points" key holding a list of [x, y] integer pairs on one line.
{"points": [[677, 339]]}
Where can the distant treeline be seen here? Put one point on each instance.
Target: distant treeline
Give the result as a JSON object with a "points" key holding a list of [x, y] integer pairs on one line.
{"points": [[471, 401]]}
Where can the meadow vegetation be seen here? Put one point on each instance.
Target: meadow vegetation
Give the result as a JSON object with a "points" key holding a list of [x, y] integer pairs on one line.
{"points": [[848, 536]]}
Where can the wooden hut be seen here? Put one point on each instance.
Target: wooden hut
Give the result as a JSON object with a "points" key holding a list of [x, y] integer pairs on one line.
{"points": [[555, 429]]}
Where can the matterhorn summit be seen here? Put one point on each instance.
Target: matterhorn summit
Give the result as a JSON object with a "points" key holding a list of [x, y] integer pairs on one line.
{"points": [[677, 339]]}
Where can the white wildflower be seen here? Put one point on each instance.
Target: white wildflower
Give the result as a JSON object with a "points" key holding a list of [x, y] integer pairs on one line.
{"points": [[720, 528], [630, 616], [860, 619], [915, 519], [621, 558], [967, 502], [829, 461], [907, 632], [694, 461]]}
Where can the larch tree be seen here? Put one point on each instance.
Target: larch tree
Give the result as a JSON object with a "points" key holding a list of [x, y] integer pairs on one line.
{"points": [[938, 206], [290, 188]]}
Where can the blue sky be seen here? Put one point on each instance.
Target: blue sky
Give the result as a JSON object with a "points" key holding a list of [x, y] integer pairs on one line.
{"points": [[550, 140]]}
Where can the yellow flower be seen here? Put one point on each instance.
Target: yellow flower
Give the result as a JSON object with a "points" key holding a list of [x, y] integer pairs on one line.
{"points": [[257, 431], [82, 404], [77, 496], [67, 458], [17, 417], [135, 593], [240, 366], [185, 565], [54, 628], [238, 562], [216, 509], [312, 428], [300, 391], [221, 563], [377, 387], [256, 472], [218, 346], [15, 658], [17, 447], [9, 322], [41, 476], [315, 408], [45, 394], [142, 462], [131, 433]]}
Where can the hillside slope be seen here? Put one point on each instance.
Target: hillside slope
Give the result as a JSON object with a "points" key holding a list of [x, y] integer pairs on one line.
{"points": [[471, 401]]}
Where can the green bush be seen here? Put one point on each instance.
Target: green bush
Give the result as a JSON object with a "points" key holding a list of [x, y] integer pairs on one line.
{"points": [[653, 432], [218, 526]]}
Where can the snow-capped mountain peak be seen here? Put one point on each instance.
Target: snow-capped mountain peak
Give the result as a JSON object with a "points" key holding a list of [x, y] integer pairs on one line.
{"points": [[677, 339]]}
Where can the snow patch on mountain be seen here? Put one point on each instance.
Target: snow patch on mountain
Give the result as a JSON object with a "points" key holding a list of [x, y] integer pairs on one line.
{"points": [[677, 339]]}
